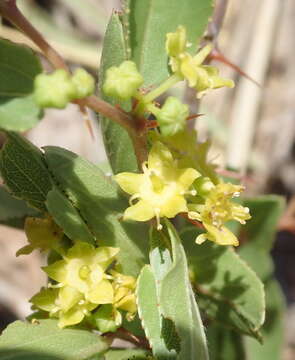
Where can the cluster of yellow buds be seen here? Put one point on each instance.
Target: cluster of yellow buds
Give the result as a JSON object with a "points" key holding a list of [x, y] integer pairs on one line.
{"points": [[166, 188], [201, 77], [83, 283]]}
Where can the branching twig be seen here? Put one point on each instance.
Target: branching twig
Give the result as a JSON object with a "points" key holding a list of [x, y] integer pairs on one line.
{"points": [[135, 127]]}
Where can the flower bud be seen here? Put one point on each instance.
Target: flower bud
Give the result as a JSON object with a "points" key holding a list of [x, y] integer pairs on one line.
{"points": [[172, 116], [54, 90], [84, 83], [122, 81], [176, 42], [203, 185]]}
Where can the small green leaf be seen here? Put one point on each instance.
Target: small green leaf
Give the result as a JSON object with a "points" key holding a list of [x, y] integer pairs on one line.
{"points": [[23, 171], [149, 312], [100, 205], [170, 335], [228, 290], [45, 341], [150, 20], [18, 68], [117, 142]]}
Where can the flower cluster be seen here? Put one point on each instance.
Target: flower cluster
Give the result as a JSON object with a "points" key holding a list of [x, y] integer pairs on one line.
{"points": [[160, 190], [167, 188], [84, 282], [201, 77]]}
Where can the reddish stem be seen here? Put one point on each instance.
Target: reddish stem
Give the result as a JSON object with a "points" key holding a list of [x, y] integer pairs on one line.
{"points": [[126, 335], [10, 11]]}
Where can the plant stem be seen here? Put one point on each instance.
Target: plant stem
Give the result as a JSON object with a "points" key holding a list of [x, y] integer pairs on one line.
{"points": [[166, 85], [10, 11]]}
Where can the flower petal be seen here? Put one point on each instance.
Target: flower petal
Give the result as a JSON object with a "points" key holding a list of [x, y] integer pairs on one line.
{"points": [[71, 317], [57, 271], [141, 211], [101, 293], [68, 297], [221, 236], [159, 158], [173, 206], [129, 182], [187, 176]]}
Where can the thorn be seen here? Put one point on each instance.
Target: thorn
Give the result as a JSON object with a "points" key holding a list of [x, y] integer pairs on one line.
{"points": [[87, 121], [218, 56], [194, 116]]}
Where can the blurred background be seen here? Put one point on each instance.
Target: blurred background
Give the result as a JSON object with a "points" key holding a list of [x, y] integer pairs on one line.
{"points": [[252, 127]]}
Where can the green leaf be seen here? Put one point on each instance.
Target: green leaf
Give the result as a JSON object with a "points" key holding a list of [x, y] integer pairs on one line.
{"points": [[260, 232], [18, 68], [117, 142], [150, 20], [273, 328], [24, 172], [100, 205], [45, 341], [228, 290], [12, 209], [149, 312], [67, 217], [179, 305], [226, 344], [126, 354]]}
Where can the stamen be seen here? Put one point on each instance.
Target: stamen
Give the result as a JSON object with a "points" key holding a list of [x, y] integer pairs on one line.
{"points": [[157, 213]]}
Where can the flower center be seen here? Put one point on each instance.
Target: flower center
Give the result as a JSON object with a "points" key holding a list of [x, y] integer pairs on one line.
{"points": [[84, 272]]}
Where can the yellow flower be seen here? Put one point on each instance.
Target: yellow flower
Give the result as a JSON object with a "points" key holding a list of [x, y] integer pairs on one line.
{"points": [[201, 77], [124, 293], [217, 210], [67, 304], [83, 268], [160, 190]]}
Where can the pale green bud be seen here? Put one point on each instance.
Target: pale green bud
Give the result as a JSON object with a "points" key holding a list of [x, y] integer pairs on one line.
{"points": [[172, 116], [122, 81], [54, 90], [84, 83], [176, 42], [203, 185]]}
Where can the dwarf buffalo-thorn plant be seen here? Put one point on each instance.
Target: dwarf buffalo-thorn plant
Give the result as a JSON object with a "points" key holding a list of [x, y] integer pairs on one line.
{"points": [[127, 256]]}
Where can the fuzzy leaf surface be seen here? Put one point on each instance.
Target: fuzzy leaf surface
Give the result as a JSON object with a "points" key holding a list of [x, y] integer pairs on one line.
{"points": [[23, 171], [117, 142], [18, 68], [149, 312], [178, 303], [100, 205], [150, 20], [228, 290], [45, 341]]}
